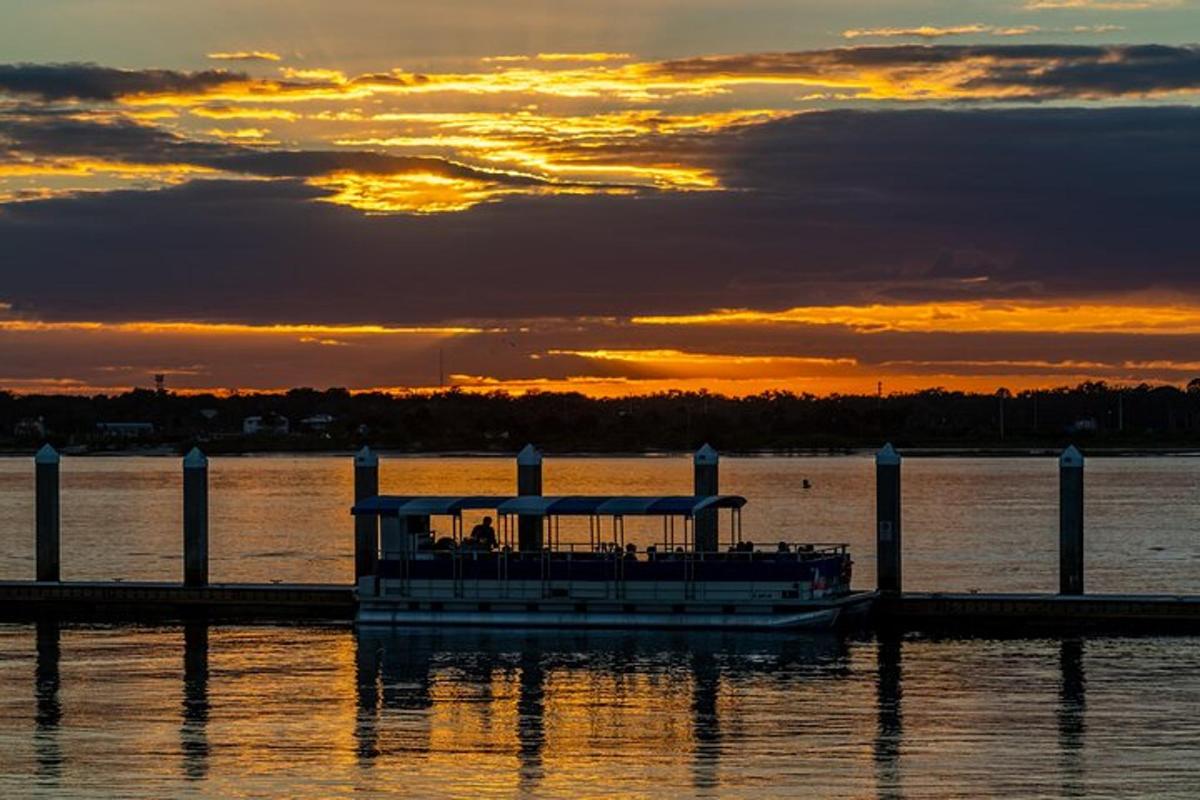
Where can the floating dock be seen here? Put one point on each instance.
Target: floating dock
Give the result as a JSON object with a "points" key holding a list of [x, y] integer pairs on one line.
{"points": [[890, 609], [932, 613], [137, 602], [990, 614]]}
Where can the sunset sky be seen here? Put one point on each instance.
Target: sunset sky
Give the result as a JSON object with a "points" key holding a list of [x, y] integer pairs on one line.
{"points": [[612, 197]]}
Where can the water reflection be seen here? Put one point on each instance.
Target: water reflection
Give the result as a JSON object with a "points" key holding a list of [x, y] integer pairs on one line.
{"points": [[1072, 702], [330, 712], [706, 723], [367, 668], [193, 732], [890, 728], [48, 715], [492, 688], [531, 719], [393, 672]]}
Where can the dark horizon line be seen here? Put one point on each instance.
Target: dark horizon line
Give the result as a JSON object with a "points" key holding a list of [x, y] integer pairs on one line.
{"points": [[1092, 387]]}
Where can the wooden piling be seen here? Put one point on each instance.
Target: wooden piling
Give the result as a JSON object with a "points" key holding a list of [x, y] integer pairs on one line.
{"points": [[48, 514], [366, 527], [1070, 522], [887, 520], [529, 482], [706, 483], [195, 519]]}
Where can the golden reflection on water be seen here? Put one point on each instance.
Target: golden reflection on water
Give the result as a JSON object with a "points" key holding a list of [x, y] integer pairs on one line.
{"points": [[328, 712]]}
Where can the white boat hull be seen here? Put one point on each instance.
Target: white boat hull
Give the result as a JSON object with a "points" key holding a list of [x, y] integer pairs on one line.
{"points": [[812, 615]]}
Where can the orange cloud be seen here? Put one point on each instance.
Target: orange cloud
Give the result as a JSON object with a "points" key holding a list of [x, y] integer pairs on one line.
{"points": [[975, 316], [1100, 5], [923, 31], [243, 134], [978, 72], [821, 385], [680, 364], [234, 328], [239, 112], [246, 55]]}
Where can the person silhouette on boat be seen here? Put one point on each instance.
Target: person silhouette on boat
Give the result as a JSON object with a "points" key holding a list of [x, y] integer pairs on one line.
{"points": [[483, 535]]}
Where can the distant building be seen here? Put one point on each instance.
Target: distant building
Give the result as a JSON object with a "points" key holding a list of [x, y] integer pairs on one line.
{"points": [[271, 424], [125, 430], [317, 422], [30, 428]]}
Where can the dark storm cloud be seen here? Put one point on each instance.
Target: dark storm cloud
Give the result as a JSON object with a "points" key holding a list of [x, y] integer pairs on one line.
{"points": [[1132, 69], [60, 133], [1047, 71], [93, 82], [311, 163], [829, 207]]}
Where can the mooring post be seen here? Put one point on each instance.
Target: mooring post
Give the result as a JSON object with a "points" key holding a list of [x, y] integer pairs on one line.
{"points": [[706, 483], [1070, 521], [887, 520], [195, 518], [366, 527], [48, 514], [529, 482]]}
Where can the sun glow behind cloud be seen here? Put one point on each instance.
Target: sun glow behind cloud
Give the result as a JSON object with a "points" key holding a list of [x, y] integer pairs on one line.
{"points": [[519, 355], [429, 193], [904, 73], [455, 145], [618, 146]]}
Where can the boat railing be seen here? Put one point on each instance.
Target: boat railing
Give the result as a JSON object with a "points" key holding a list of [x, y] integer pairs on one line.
{"points": [[660, 551], [552, 568]]}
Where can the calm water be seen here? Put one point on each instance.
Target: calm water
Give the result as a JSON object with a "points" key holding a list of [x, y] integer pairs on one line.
{"points": [[323, 713], [987, 524]]}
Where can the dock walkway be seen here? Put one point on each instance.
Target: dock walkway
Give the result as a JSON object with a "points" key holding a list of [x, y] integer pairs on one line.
{"points": [[985, 614], [1039, 613], [138, 601]]}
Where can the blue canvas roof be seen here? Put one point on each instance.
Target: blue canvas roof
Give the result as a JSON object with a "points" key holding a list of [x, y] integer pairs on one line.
{"points": [[537, 506], [618, 506], [432, 505]]}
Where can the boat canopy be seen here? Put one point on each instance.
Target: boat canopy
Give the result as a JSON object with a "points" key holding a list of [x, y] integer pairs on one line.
{"points": [[562, 506], [620, 506], [426, 505]]}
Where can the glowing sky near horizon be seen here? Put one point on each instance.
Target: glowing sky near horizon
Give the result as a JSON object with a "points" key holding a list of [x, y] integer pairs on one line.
{"points": [[610, 197]]}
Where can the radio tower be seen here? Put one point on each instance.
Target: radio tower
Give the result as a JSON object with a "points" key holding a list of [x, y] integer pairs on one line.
{"points": [[160, 381]]}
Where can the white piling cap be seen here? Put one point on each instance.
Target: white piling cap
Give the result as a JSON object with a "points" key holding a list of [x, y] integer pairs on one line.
{"points": [[887, 457], [706, 456], [1071, 457], [366, 458], [529, 456], [195, 459], [47, 455]]}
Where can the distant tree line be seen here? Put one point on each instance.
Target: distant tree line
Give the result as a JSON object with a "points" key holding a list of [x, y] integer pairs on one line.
{"points": [[1094, 412]]}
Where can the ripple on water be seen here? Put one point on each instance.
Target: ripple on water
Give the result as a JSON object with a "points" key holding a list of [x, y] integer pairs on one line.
{"points": [[326, 712]]}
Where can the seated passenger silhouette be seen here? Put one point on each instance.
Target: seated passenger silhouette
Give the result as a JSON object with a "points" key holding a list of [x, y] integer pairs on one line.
{"points": [[483, 535]]}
